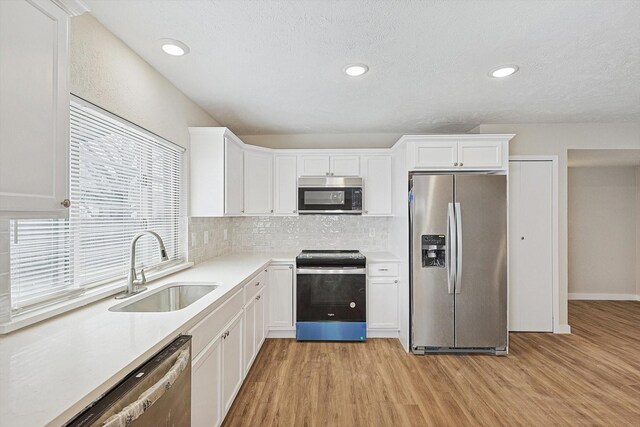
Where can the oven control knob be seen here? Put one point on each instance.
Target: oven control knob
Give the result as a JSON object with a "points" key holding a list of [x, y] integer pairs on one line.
{"points": [[352, 304]]}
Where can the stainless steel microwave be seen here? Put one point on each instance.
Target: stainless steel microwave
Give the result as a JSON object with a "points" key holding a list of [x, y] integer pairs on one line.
{"points": [[330, 195]]}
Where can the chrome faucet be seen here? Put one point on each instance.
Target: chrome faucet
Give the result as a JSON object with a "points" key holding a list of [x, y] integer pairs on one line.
{"points": [[133, 283]]}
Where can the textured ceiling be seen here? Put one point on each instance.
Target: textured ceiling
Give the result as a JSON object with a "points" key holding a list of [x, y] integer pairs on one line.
{"points": [[268, 67]]}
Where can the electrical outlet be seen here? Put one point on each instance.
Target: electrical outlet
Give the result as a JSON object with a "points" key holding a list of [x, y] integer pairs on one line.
{"points": [[225, 234], [372, 232], [206, 237]]}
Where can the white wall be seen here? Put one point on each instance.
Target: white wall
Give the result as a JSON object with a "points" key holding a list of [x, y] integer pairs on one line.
{"points": [[106, 72], [556, 139], [603, 220]]}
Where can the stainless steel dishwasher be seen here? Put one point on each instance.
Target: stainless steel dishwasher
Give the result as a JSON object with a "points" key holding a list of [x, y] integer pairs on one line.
{"points": [[158, 393]]}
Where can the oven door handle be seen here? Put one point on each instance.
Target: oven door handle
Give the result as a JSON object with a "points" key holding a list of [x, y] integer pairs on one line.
{"points": [[331, 270]]}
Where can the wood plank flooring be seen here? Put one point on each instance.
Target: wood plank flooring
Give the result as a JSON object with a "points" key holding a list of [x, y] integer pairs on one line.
{"points": [[591, 377]]}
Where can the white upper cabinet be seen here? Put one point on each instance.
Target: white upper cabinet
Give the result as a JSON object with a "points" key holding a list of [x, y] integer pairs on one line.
{"points": [[34, 107], [376, 173], [458, 152], [216, 173], [321, 164], [234, 178], [258, 183], [285, 188]]}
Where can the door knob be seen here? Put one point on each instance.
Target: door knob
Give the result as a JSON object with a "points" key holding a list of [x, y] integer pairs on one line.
{"points": [[66, 203], [455, 164]]}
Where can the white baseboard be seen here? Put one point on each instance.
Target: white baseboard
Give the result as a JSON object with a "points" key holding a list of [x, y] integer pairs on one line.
{"points": [[604, 297], [280, 333], [562, 329], [382, 333]]}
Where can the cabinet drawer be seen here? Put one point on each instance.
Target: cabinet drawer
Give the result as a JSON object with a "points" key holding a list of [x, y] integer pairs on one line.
{"points": [[209, 327], [383, 269], [254, 286]]}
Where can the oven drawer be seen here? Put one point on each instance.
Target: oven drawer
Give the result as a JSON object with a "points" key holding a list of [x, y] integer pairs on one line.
{"points": [[383, 269]]}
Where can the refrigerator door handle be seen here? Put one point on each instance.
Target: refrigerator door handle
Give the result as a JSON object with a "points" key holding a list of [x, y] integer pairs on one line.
{"points": [[458, 248], [450, 248]]}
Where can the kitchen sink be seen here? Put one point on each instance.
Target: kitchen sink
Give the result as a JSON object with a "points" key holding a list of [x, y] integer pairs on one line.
{"points": [[173, 296]]}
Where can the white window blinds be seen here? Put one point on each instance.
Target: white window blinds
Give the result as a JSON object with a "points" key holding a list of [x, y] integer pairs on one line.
{"points": [[122, 181]]}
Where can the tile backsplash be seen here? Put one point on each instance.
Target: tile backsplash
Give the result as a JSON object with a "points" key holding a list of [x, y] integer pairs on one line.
{"points": [[273, 233], [206, 238]]}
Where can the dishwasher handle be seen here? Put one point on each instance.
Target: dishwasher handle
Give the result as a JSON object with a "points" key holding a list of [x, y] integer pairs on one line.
{"points": [[132, 411]]}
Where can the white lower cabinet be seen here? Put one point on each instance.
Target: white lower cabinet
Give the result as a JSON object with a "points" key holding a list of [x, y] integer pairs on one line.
{"points": [[383, 303], [382, 298], [281, 297], [232, 363], [205, 386]]}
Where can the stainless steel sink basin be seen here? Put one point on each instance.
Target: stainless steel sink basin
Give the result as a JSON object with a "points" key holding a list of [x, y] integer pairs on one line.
{"points": [[172, 297]]}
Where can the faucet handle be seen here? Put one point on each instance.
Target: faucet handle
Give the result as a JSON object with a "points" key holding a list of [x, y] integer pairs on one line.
{"points": [[143, 279]]}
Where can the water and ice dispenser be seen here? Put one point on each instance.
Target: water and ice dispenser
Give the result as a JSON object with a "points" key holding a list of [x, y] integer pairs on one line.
{"points": [[433, 250]]}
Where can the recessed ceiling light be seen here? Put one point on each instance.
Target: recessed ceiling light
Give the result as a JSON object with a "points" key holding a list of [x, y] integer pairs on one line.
{"points": [[174, 47], [503, 71], [355, 70]]}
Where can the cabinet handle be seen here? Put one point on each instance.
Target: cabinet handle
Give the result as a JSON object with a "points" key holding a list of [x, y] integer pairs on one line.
{"points": [[366, 211], [395, 281], [294, 211], [384, 269], [271, 210], [66, 203], [327, 173], [242, 211], [258, 298], [455, 164], [522, 238], [258, 284], [461, 164], [290, 267]]}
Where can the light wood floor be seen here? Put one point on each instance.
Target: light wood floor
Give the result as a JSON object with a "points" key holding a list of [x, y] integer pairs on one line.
{"points": [[591, 377]]}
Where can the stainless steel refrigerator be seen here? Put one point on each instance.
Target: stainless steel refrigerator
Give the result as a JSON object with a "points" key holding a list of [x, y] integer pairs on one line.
{"points": [[458, 245]]}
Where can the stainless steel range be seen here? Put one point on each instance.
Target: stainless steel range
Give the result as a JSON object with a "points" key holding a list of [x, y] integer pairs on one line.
{"points": [[331, 296]]}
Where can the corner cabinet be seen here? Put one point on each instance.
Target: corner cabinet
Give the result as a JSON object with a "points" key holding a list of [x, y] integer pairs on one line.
{"points": [[34, 105], [285, 200], [458, 152], [377, 176]]}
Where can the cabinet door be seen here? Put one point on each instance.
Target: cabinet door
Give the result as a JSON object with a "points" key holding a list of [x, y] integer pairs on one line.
{"points": [[260, 323], [382, 304], [313, 165], [480, 155], [249, 333], [234, 178], [531, 246], [205, 386], [34, 106], [232, 362], [376, 172], [281, 296], [258, 183], [345, 165], [435, 154], [286, 185]]}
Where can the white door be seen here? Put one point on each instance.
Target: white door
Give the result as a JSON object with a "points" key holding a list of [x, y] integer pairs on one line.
{"points": [[232, 362], [376, 172], [258, 183], [531, 246], [260, 323], [286, 185], [205, 386], [345, 165], [234, 178], [435, 154], [249, 333], [281, 296], [313, 165], [34, 106], [480, 155], [382, 304]]}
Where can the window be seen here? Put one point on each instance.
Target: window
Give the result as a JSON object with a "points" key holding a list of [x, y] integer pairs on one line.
{"points": [[122, 180]]}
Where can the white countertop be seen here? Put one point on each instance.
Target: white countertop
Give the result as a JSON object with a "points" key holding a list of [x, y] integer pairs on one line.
{"points": [[52, 370]]}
